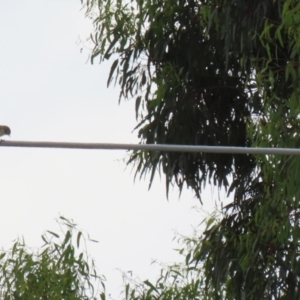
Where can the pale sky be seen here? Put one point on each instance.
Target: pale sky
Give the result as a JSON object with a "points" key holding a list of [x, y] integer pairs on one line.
{"points": [[50, 92]]}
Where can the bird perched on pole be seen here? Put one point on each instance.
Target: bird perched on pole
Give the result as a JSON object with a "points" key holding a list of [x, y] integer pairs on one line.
{"points": [[4, 130]]}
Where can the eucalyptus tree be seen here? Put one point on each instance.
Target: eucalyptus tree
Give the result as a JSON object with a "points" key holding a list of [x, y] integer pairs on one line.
{"points": [[223, 73], [59, 269]]}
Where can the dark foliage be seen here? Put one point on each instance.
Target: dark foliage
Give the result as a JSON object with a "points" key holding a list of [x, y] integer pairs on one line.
{"points": [[224, 73]]}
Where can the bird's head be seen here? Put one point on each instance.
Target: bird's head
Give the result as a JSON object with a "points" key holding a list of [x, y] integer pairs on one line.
{"points": [[7, 130]]}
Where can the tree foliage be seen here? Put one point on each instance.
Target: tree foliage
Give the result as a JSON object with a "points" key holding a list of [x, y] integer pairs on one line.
{"points": [[55, 271], [218, 72], [187, 89]]}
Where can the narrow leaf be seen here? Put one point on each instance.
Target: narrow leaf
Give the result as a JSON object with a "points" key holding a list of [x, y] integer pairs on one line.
{"points": [[112, 69], [53, 233]]}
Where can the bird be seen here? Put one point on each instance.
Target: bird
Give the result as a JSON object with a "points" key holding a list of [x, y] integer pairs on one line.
{"points": [[4, 130]]}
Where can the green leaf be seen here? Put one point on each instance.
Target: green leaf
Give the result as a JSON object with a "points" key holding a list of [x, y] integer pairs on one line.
{"points": [[67, 238], [107, 54], [112, 69], [187, 259], [102, 296], [53, 233], [137, 105], [78, 238], [143, 79], [152, 287]]}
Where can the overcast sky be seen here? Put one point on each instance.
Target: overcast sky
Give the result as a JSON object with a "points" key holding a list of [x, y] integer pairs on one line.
{"points": [[49, 91]]}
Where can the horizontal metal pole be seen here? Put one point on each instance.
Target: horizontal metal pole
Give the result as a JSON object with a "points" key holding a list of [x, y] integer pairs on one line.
{"points": [[150, 147]]}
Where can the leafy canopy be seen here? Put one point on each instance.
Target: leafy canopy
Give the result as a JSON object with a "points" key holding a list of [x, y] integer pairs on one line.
{"points": [[57, 270], [218, 72]]}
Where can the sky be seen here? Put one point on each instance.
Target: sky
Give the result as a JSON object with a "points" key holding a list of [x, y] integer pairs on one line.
{"points": [[50, 92]]}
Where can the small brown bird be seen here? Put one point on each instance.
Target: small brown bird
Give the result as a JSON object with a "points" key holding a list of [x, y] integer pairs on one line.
{"points": [[4, 130]]}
